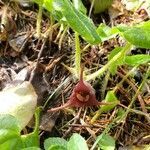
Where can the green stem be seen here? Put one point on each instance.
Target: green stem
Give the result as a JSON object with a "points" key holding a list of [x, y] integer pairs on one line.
{"points": [[105, 67], [37, 119], [77, 54], [104, 84]]}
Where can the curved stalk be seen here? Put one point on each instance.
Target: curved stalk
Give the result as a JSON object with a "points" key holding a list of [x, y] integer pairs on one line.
{"points": [[105, 67]]}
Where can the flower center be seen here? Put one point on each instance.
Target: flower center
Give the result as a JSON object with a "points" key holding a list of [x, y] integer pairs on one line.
{"points": [[83, 97]]}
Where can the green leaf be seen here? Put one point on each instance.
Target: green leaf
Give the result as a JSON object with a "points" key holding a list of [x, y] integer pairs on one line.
{"points": [[79, 6], [105, 32], [6, 134], [30, 140], [110, 98], [9, 122], [137, 59], [120, 114], [77, 142], [57, 147], [106, 142], [48, 5], [54, 8], [55, 141], [122, 28], [77, 21], [9, 131], [114, 52], [138, 35], [101, 5], [12, 144], [31, 148], [118, 62]]}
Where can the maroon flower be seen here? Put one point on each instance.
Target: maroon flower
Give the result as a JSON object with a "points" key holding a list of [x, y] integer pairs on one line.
{"points": [[83, 95]]}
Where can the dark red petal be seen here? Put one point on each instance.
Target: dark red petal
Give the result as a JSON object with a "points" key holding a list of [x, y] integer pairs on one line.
{"points": [[81, 87]]}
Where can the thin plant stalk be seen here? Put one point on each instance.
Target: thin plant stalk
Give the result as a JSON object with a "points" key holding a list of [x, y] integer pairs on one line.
{"points": [[37, 119], [105, 67], [104, 85], [77, 54]]}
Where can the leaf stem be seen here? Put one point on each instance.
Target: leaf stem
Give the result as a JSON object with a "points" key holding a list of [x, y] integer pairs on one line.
{"points": [[37, 119], [77, 54], [105, 67]]}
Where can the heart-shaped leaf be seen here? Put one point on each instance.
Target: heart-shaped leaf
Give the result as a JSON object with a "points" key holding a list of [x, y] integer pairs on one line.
{"points": [[77, 142]]}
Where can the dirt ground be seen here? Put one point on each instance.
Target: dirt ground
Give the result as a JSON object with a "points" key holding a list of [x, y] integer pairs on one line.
{"points": [[24, 56]]}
